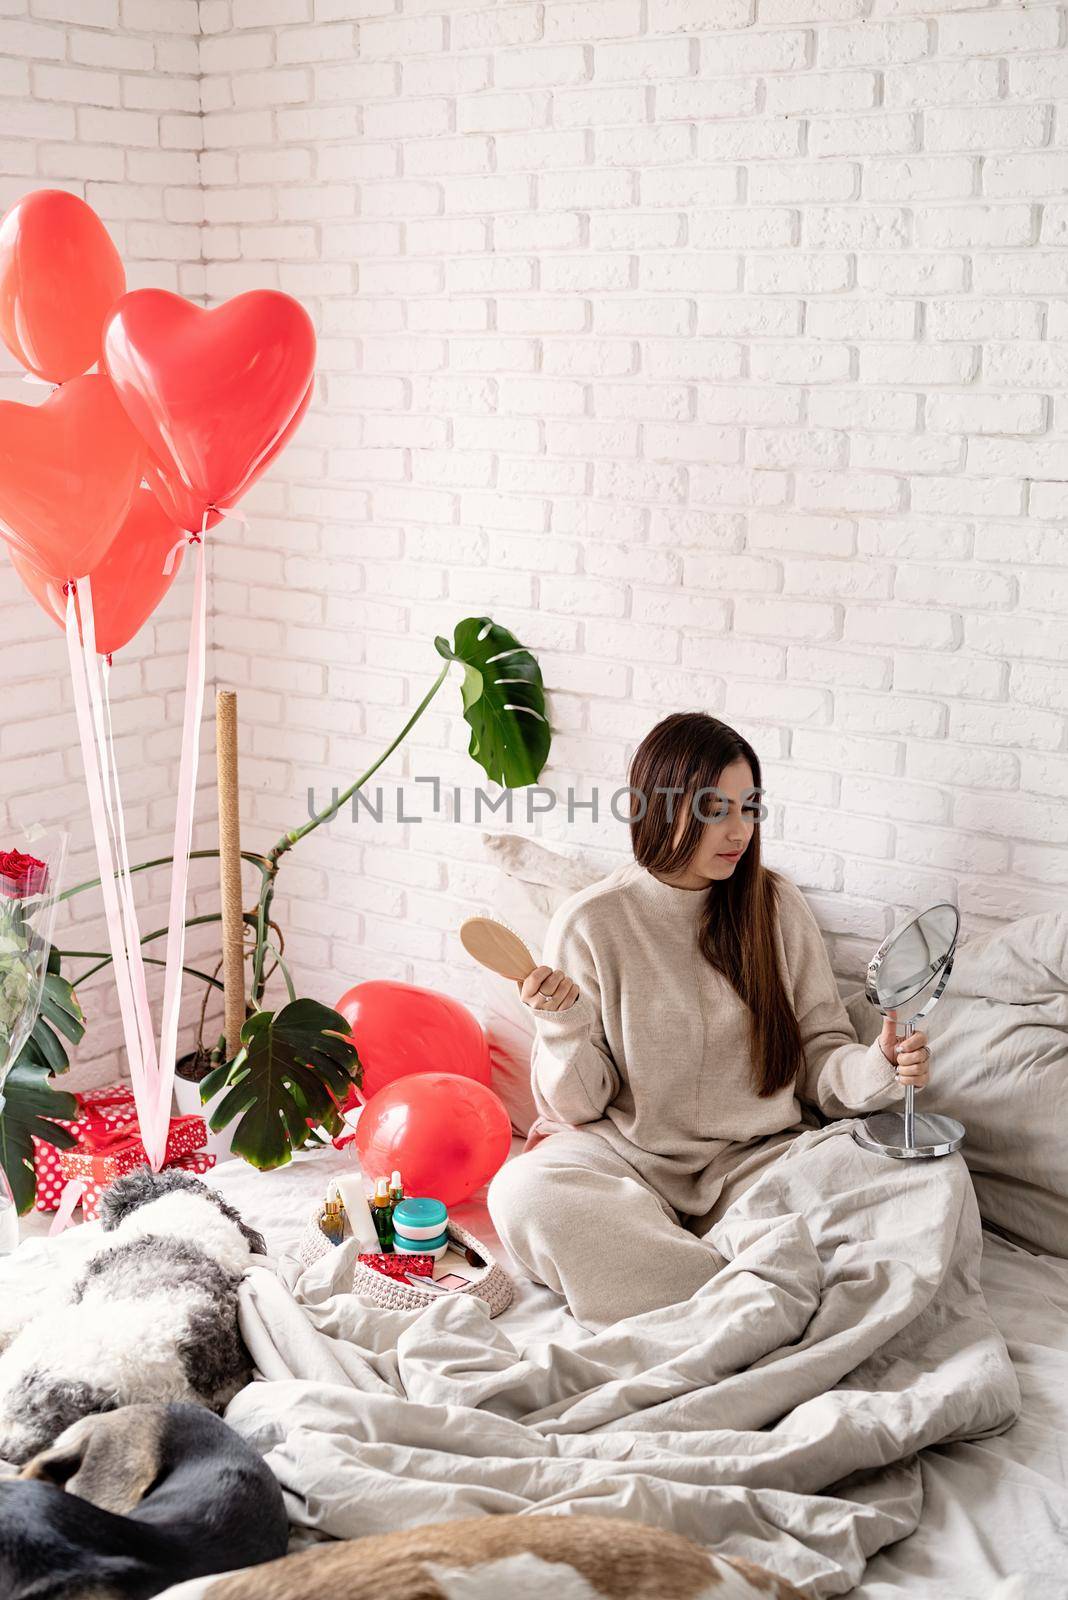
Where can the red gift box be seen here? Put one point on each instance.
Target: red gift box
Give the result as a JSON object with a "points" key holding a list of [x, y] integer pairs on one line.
{"points": [[107, 1152], [201, 1161], [395, 1266], [111, 1107]]}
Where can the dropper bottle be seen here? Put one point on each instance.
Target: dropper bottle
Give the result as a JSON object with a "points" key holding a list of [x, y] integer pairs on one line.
{"points": [[382, 1212]]}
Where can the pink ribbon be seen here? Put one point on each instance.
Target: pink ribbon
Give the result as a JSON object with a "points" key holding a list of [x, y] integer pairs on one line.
{"points": [[99, 681], [152, 1076], [143, 1067], [72, 1193], [98, 814], [196, 663], [172, 554]]}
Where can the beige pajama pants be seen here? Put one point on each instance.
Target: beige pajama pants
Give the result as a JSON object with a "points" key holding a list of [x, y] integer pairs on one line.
{"points": [[578, 1217]]}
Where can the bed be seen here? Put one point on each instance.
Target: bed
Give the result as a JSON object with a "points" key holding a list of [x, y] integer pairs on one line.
{"points": [[871, 1399], [958, 1436], [991, 1507]]}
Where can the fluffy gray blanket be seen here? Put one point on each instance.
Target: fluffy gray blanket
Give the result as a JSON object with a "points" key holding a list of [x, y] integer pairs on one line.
{"points": [[774, 1416]]}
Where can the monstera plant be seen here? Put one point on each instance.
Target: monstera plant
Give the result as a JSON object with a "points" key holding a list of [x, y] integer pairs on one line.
{"points": [[30, 1103], [295, 1064]]}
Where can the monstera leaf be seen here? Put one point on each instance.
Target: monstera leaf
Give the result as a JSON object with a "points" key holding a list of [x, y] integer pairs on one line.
{"points": [[504, 702], [28, 1102], [293, 1069]]}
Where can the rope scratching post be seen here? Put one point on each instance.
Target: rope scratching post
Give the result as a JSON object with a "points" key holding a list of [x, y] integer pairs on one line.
{"points": [[233, 927]]}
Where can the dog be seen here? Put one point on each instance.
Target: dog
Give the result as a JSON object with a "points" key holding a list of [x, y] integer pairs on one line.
{"points": [[127, 1502], [526, 1558], [531, 1558], [152, 1316], [625, 1561]]}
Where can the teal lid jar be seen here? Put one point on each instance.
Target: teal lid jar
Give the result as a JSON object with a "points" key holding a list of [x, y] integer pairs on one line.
{"points": [[420, 1217]]}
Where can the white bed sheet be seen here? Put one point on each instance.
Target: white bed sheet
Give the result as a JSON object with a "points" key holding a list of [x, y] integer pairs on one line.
{"points": [[992, 1507]]}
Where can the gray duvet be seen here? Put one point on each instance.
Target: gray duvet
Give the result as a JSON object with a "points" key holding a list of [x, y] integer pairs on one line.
{"points": [[775, 1416]]}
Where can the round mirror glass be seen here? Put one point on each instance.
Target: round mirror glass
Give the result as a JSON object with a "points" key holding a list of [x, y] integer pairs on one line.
{"points": [[912, 960]]}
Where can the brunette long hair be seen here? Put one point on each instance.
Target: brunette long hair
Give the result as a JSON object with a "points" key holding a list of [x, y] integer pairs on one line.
{"points": [[686, 752]]}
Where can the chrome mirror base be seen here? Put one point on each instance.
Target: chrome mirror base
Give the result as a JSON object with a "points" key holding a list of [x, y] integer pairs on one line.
{"points": [[932, 1135]]}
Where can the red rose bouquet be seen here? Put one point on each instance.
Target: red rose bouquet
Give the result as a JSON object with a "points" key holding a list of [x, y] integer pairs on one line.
{"points": [[27, 914], [28, 897]]}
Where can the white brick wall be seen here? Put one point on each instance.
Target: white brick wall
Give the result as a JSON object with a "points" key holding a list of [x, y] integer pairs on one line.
{"points": [[103, 101], [714, 346]]}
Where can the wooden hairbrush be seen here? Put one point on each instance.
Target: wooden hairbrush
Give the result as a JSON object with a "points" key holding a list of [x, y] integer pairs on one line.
{"points": [[497, 946]]}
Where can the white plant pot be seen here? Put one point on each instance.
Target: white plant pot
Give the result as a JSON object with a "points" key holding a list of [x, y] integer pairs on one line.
{"points": [[187, 1098]]}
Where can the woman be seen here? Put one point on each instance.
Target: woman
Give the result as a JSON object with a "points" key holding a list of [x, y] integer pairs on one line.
{"points": [[686, 1008]]}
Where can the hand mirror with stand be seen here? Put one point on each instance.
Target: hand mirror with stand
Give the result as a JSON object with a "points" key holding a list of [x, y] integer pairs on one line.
{"points": [[912, 967]]}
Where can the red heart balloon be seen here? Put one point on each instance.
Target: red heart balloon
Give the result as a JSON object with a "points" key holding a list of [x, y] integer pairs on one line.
{"points": [[180, 504], [60, 275], [400, 1029], [210, 392], [68, 472], [129, 582]]}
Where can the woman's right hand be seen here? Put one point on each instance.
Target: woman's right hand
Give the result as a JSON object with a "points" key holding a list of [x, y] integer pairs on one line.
{"points": [[548, 989]]}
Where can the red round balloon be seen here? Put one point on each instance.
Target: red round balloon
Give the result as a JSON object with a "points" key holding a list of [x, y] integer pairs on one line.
{"points": [[399, 1029], [127, 585], [60, 275], [445, 1135], [69, 469], [181, 503], [210, 392]]}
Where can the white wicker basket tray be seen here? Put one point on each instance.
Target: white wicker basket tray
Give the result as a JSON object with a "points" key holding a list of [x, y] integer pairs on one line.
{"points": [[489, 1283]]}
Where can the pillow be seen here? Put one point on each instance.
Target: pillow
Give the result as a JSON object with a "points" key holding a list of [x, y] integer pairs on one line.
{"points": [[534, 880], [540, 868], [999, 1048]]}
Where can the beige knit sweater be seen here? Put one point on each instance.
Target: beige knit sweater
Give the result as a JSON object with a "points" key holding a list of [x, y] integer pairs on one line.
{"points": [[654, 1054]]}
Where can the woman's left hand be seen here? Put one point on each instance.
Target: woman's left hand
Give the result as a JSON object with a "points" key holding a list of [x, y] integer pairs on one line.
{"points": [[911, 1055]]}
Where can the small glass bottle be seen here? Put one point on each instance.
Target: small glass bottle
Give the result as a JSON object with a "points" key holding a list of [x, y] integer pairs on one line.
{"points": [[332, 1221], [382, 1212]]}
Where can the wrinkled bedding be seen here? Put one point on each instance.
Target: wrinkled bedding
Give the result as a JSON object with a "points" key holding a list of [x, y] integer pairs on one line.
{"points": [[776, 1416]]}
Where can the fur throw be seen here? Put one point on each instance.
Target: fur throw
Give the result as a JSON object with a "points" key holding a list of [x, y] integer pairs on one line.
{"points": [[152, 1316]]}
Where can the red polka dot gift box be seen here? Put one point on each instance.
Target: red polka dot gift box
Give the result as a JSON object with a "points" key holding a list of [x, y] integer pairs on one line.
{"points": [[200, 1162], [109, 1108], [108, 1152]]}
